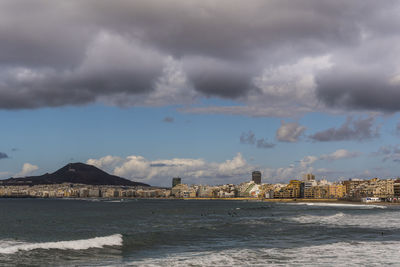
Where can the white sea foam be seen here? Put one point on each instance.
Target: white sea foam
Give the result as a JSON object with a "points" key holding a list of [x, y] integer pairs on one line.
{"points": [[336, 254], [320, 219], [10, 247], [342, 205], [380, 220]]}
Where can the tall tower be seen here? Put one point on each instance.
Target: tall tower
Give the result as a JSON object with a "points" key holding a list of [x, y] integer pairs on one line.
{"points": [[176, 181], [256, 177], [309, 177]]}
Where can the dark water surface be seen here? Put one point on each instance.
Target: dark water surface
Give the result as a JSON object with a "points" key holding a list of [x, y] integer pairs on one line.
{"points": [[61, 232]]}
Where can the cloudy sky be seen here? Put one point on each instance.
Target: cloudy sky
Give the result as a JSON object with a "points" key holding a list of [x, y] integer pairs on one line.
{"points": [[205, 90]]}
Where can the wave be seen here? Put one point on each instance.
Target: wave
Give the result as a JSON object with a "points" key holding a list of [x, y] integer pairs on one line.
{"points": [[332, 219], [337, 254], [386, 220], [361, 206], [11, 247]]}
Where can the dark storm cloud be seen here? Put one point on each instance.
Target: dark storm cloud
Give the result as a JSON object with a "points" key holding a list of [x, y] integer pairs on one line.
{"points": [[78, 52], [359, 91], [359, 129], [217, 78], [230, 29], [3, 155]]}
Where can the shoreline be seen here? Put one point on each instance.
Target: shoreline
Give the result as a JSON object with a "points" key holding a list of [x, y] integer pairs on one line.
{"points": [[300, 200], [328, 200], [247, 199]]}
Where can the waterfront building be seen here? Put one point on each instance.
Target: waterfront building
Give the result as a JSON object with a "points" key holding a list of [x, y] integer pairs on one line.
{"points": [[292, 190], [180, 190], [336, 191], [176, 181], [94, 192], [351, 187], [245, 188], [396, 187], [256, 177], [255, 191], [317, 192], [204, 191], [309, 177], [370, 199], [384, 188]]}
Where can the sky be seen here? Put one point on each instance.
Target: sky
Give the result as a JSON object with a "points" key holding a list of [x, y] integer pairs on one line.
{"points": [[205, 90]]}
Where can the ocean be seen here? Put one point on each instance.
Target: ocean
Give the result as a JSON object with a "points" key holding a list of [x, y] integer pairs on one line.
{"points": [[94, 232]]}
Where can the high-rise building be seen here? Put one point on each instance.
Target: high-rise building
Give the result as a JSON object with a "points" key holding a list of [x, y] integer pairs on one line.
{"points": [[256, 177], [309, 177], [176, 181]]}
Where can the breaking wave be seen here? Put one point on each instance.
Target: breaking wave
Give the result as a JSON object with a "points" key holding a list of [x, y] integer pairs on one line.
{"points": [[342, 205], [339, 254], [10, 247], [332, 219], [379, 221]]}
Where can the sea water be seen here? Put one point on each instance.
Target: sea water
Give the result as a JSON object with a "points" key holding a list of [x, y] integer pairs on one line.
{"points": [[93, 232]]}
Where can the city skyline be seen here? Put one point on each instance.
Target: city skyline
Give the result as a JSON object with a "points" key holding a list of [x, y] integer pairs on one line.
{"points": [[207, 91]]}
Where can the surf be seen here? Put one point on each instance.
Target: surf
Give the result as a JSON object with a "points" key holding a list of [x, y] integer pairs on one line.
{"points": [[11, 247]]}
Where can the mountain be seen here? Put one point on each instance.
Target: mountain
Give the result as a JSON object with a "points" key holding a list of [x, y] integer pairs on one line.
{"points": [[76, 173]]}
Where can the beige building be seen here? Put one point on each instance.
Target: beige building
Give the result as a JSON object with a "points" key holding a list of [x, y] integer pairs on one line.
{"points": [[336, 191], [292, 190]]}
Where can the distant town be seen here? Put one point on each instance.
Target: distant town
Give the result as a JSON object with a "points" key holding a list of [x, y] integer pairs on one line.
{"points": [[308, 188]]}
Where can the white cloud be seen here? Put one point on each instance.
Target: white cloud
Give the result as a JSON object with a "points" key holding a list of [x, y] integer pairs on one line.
{"points": [[289, 132], [106, 163], [199, 171], [305, 165], [339, 154], [160, 172], [307, 161], [294, 82], [293, 171], [232, 167], [27, 169], [286, 90]]}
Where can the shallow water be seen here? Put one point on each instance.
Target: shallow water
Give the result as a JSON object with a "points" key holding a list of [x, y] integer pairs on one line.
{"points": [[61, 232]]}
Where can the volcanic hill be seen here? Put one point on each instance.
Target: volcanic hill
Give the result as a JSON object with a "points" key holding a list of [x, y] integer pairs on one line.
{"points": [[74, 173]]}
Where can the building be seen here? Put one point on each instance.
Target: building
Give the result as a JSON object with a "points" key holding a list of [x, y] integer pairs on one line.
{"points": [[396, 187], [336, 191], [351, 187], [309, 177], [317, 192], [176, 181], [383, 188], [256, 177], [204, 191], [245, 188], [293, 190], [180, 190]]}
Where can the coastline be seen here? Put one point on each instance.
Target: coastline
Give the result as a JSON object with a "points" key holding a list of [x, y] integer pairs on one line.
{"points": [[247, 199], [300, 200], [328, 200]]}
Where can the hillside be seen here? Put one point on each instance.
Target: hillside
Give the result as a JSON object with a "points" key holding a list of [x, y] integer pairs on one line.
{"points": [[77, 173]]}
